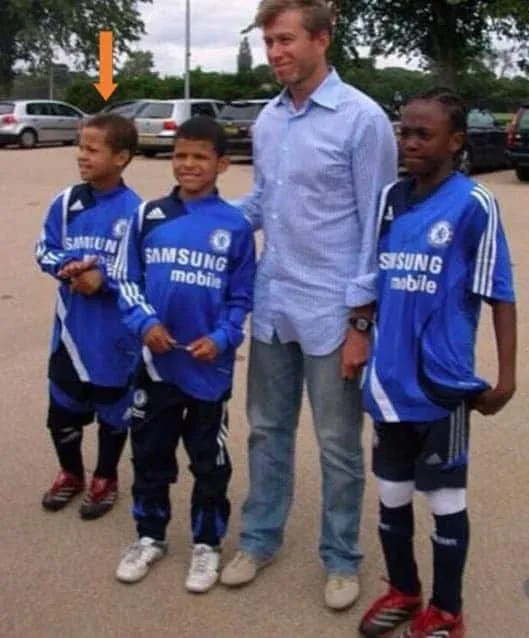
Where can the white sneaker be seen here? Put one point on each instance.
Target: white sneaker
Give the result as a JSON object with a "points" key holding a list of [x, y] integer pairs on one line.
{"points": [[138, 557], [341, 591], [204, 569], [242, 569]]}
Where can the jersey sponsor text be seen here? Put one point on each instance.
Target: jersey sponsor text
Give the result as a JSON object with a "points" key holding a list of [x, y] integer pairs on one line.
{"points": [[185, 257], [87, 242], [419, 267], [198, 278]]}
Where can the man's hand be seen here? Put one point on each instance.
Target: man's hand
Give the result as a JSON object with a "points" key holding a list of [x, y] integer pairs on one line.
{"points": [[75, 268], [158, 340], [203, 349], [492, 401], [355, 352], [87, 283]]}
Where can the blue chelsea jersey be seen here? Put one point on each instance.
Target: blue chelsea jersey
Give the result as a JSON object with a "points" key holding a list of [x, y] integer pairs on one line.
{"points": [[438, 259], [82, 223], [190, 266]]}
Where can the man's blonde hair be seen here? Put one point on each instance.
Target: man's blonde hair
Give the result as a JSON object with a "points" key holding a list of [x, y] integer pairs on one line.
{"points": [[317, 14]]}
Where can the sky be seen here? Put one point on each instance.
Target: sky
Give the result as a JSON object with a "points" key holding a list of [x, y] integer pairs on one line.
{"points": [[215, 34]]}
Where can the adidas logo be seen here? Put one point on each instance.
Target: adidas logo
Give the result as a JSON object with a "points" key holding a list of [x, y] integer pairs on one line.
{"points": [[156, 213], [78, 205], [434, 459]]}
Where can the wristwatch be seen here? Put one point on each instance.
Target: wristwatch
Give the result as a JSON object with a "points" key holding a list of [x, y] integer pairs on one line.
{"points": [[361, 324]]}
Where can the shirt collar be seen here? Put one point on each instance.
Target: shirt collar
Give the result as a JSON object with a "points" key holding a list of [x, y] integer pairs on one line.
{"points": [[175, 194], [109, 192], [326, 94]]}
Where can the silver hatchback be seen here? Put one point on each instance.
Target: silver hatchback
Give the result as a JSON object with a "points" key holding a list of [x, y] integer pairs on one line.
{"points": [[27, 123], [158, 122]]}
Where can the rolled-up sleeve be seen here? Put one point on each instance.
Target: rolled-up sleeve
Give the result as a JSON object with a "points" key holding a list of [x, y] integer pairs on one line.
{"points": [[374, 164]]}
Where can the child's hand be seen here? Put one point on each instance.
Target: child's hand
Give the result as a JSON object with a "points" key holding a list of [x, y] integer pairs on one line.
{"points": [[158, 340], [492, 401], [75, 268], [87, 283], [203, 349]]}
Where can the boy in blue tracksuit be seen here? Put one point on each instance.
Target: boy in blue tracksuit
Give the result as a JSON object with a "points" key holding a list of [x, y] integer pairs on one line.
{"points": [[93, 355], [185, 272]]}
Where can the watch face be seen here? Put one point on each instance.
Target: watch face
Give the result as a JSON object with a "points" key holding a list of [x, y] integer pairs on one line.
{"points": [[361, 324]]}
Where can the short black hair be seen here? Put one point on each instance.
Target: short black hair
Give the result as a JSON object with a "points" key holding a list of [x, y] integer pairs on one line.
{"points": [[204, 129], [120, 132], [453, 103]]}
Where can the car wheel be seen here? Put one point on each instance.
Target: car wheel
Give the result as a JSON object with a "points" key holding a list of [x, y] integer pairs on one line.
{"points": [[465, 161], [148, 153], [69, 143], [522, 173], [27, 139]]}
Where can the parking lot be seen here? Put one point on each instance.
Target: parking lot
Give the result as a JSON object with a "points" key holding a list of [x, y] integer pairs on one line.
{"points": [[58, 571]]}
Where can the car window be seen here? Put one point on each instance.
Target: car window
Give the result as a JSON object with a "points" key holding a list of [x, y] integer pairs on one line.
{"points": [[123, 109], [482, 119], [117, 107], [523, 124], [203, 108], [65, 111], [39, 108], [157, 111], [140, 108], [6, 107], [243, 111]]}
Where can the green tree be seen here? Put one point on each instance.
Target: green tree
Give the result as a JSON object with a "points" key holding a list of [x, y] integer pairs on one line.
{"points": [[444, 35], [244, 57], [138, 64], [32, 30]]}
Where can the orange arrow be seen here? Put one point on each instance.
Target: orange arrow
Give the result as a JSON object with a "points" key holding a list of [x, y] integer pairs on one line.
{"points": [[106, 85]]}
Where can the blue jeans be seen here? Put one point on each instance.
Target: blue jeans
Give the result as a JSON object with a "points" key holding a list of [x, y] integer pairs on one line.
{"points": [[275, 384]]}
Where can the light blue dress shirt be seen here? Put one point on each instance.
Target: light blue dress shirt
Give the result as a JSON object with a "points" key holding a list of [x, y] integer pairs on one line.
{"points": [[318, 174]]}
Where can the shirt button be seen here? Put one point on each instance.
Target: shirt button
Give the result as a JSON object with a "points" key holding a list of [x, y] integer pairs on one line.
{"points": [[279, 182], [274, 216]]}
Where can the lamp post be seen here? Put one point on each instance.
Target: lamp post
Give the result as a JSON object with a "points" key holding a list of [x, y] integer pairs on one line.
{"points": [[187, 87]]}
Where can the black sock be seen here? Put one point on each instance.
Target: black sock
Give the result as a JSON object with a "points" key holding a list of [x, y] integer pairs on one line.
{"points": [[450, 546], [67, 441], [111, 444], [396, 535]]}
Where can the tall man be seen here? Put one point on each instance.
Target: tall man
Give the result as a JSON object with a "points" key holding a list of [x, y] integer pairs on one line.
{"points": [[322, 152]]}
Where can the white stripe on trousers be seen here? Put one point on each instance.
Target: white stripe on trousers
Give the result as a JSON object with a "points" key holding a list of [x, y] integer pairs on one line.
{"points": [[222, 436]]}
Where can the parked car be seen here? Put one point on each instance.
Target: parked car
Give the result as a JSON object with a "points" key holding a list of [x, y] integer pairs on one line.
{"points": [[158, 122], [486, 143], [27, 123], [518, 143], [238, 118], [127, 108]]}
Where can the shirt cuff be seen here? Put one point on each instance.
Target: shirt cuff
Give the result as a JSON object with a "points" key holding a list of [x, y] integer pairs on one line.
{"points": [[147, 324], [220, 339], [361, 291]]}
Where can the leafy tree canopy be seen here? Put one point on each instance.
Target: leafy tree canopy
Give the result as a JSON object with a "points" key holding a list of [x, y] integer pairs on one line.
{"points": [[31, 30], [445, 35]]}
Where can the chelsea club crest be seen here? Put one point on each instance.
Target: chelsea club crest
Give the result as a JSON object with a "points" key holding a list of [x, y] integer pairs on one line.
{"points": [[220, 240], [440, 234], [119, 228]]}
